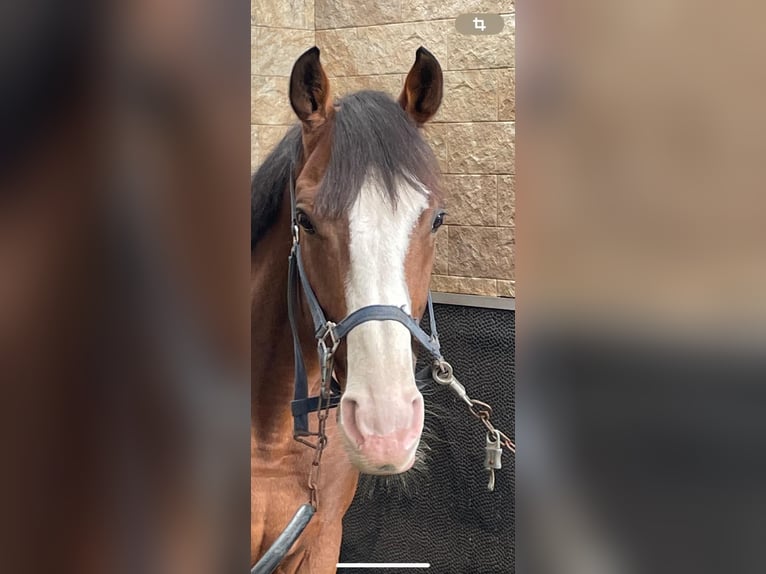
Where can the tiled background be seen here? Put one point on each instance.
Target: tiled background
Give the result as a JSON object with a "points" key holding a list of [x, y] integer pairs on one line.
{"points": [[371, 44]]}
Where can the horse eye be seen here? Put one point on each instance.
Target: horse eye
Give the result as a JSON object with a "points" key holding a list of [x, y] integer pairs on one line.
{"points": [[438, 221], [305, 222]]}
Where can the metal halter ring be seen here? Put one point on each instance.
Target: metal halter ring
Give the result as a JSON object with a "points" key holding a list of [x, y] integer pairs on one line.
{"points": [[442, 372], [296, 234]]}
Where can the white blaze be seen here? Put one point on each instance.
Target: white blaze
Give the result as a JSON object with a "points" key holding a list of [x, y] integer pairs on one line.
{"points": [[380, 352]]}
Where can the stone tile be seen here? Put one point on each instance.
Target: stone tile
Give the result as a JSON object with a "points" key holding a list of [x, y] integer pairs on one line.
{"points": [[345, 14], [472, 148], [506, 288], [464, 285], [270, 104], [505, 160], [387, 49], [255, 150], [338, 52], [485, 147], [436, 136], [507, 249], [274, 50], [471, 199], [469, 96], [506, 201], [441, 253], [283, 13], [506, 94], [388, 83], [433, 9], [485, 252], [269, 137], [391, 49], [478, 52]]}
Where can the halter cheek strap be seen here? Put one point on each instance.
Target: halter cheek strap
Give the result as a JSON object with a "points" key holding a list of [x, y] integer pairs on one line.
{"points": [[329, 335]]}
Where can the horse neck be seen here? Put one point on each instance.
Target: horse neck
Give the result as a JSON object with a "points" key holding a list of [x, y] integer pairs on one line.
{"points": [[272, 369]]}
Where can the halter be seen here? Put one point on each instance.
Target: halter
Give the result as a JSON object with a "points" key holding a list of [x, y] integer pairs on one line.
{"points": [[329, 334]]}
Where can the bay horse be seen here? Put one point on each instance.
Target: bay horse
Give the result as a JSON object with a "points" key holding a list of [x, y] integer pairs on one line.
{"points": [[355, 182]]}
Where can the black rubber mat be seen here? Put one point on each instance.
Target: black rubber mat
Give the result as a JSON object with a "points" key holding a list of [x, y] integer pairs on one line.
{"points": [[444, 515]]}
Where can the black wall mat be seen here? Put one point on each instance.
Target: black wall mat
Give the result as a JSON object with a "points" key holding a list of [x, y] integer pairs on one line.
{"points": [[444, 514]]}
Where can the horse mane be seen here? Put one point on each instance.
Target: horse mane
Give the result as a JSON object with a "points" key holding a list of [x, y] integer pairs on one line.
{"points": [[270, 181], [372, 136]]}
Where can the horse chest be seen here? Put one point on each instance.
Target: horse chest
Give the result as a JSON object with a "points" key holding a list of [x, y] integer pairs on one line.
{"points": [[279, 485]]}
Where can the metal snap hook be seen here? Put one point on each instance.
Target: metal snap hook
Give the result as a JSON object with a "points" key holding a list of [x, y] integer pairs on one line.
{"points": [[442, 374]]}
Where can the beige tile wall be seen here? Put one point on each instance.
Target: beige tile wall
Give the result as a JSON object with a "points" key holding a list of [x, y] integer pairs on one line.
{"points": [[371, 44], [281, 31]]}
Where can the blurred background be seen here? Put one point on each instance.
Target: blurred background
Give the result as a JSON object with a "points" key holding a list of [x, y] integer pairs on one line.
{"points": [[641, 250], [124, 270], [124, 201]]}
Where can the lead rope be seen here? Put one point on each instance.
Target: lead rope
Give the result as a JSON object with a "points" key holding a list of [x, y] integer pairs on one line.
{"points": [[443, 374]]}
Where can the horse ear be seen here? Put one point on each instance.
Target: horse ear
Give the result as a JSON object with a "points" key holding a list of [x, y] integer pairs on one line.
{"points": [[423, 88], [309, 89]]}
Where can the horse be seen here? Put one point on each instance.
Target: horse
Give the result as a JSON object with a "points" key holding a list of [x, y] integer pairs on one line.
{"points": [[355, 183]]}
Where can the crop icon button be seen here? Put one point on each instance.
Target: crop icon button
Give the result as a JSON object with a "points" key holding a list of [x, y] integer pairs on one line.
{"points": [[479, 24]]}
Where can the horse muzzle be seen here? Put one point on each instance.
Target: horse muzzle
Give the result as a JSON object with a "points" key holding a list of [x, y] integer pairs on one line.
{"points": [[381, 433]]}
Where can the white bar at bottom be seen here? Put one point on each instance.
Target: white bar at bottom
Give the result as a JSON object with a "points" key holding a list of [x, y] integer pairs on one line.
{"points": [[384, 565]]}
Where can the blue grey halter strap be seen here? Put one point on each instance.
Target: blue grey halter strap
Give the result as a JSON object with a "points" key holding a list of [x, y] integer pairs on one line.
{"points": [[329, 334]]}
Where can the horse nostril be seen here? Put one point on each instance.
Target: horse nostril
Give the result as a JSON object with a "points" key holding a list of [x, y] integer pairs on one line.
{"points": [[348, 410], [363, 424]]}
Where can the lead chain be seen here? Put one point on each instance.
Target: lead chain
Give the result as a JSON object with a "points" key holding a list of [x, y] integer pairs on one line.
{"points": [[322, 414], [315, 472], [442, 374]]}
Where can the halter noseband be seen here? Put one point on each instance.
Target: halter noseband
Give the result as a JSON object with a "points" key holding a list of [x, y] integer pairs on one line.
{"points": [[329, 335]]}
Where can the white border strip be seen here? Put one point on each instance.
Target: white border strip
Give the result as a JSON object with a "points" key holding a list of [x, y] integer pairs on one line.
{"points": [[383, 565], [505, 303]]}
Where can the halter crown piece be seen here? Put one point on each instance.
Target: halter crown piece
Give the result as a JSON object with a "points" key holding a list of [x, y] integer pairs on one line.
{"points": [[329, 335]]}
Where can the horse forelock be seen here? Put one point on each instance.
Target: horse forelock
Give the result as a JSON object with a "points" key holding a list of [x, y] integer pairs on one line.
{"points": [[371, 137]]}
